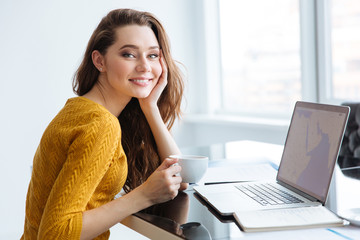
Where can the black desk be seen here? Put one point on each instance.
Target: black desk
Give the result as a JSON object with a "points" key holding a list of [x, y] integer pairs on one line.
{"points": [[189, 217]]}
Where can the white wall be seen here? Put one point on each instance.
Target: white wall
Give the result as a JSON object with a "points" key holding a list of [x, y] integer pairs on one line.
{"points": [[41, 45]]}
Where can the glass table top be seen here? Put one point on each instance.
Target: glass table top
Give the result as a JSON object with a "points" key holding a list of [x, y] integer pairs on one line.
{"points": [[188, 216]]}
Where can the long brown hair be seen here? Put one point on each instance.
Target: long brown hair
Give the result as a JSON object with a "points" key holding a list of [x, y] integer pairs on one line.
{"points": [[137, 139]]}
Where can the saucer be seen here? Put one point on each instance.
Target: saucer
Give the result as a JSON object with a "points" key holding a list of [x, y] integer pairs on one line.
{"points": [[352, 215]]}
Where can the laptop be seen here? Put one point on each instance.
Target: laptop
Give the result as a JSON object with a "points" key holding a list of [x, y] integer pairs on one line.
{"points": [[310, 153]]}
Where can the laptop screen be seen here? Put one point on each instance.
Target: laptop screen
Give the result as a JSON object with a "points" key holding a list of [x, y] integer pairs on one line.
{"points": [[312, 146]]}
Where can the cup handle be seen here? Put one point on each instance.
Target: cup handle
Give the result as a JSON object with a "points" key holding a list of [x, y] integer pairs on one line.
{"points": [[178, 174]]}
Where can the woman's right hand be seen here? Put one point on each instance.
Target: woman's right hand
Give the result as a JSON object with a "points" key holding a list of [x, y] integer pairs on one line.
{"points": [[163, 184]]}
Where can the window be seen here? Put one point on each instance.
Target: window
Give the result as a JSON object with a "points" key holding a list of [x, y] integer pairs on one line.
{"points": [[266, 56], [260, 47], [346, 49]]}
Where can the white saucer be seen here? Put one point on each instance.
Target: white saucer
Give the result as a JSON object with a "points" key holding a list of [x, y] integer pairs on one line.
{"points": [[352, 215]]}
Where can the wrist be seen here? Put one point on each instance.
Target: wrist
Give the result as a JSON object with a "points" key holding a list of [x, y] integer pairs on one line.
{"points": [[151, 112], [141, 198]]}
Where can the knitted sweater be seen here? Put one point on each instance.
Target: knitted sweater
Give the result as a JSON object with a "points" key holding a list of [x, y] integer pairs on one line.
{"points": [[79, 165]]}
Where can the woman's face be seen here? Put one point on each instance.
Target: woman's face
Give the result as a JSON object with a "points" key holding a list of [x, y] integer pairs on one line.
{"points": [[132, 63]]}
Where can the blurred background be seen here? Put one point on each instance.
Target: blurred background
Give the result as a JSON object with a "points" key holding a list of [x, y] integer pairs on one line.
{"points": [[246, 63]]}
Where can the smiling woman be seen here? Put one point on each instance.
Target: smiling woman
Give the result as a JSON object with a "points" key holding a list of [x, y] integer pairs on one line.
{"points": [[114, 135]]}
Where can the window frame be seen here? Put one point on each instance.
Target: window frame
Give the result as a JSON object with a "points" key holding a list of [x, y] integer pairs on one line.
{"points": [[206, 123], [315, 51]]}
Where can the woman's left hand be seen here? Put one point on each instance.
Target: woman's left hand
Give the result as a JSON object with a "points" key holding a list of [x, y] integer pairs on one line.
{"points": [[152, 99]]}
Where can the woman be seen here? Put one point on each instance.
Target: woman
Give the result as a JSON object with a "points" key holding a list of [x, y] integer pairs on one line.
{"points": [[86, 157]]}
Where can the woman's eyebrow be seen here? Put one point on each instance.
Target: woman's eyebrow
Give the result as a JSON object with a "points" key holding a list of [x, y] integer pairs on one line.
{"points": [[129, 46], [136, 47]]}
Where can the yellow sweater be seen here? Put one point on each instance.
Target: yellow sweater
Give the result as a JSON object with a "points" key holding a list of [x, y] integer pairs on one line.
{"points": [[79, 165]]}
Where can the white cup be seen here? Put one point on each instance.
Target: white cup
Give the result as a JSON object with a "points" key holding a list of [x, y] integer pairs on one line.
{"points": [[193, 167]]}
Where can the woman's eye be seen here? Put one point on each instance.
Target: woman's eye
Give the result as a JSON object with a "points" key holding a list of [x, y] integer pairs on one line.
{"points": [[154, 56], [128, 55]]}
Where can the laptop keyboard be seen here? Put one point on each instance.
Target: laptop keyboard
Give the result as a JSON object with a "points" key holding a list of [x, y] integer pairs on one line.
{"points": [[267, 194]]}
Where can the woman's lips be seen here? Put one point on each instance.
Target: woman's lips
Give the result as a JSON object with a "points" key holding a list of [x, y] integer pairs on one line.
{"points": [[141, 82]]}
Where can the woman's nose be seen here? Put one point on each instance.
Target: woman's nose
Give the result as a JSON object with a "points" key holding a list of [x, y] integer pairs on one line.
{"points": [[143, 65]]}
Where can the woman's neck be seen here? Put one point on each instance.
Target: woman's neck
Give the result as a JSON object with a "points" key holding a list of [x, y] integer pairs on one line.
{"points": [[114, 103]]}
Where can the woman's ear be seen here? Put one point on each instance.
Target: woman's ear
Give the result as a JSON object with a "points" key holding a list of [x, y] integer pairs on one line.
{"points": [[98, 60]]}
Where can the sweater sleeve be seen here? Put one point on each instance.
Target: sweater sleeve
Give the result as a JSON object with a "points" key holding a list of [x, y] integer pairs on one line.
{"points": [[89, 157]]}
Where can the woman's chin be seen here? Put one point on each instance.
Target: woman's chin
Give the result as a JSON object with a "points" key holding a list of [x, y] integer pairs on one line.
{"points": [[142, 96], [143, 93]]}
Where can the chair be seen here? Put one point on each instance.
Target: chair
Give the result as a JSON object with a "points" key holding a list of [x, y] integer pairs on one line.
{"points": [[349, 155]]}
